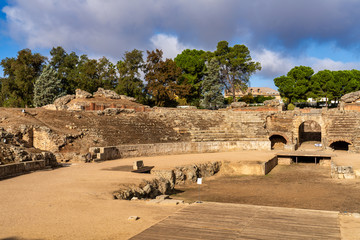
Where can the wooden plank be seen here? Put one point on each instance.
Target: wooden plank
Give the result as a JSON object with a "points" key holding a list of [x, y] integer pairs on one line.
{"points": [[238, 221]]}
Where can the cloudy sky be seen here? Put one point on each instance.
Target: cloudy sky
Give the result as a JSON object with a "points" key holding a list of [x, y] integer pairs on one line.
{"points": [[281, 34]]}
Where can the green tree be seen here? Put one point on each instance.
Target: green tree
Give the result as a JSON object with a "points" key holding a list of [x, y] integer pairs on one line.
{"points": [[236, 66], [88, 77], [192, 64], [20, 73], [164, 81], [107, 73], [130, 83], [47, 87], [320, 83], [349, 80], [212, 87], [295, 85], [66, 66], [82, 72], [249, 98]]}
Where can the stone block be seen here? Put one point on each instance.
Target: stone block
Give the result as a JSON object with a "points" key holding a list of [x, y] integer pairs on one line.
{"points": [[325, 162], [340, 176], [284, 161], [133, 218], [349, 176], [138, 165]]}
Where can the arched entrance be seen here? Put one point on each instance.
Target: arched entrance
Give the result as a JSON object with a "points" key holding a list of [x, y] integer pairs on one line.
{"points": [[309, 132], [340, 145], [278, 142]]}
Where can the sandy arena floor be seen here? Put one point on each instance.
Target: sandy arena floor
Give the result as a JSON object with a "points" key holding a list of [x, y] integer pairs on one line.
{"points": [[75, 202]]}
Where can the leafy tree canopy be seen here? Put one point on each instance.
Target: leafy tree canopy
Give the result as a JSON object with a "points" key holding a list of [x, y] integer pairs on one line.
{"points": [[129, 68], [164, 81], [295, 85], [236, 66], [20, 74], [192, 64]]}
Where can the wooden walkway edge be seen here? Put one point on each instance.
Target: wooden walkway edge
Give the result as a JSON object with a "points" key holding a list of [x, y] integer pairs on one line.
{"points": [[239, 221]]}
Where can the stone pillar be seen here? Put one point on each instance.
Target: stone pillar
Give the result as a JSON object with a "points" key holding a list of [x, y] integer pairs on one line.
{"points": [[92, 106]]}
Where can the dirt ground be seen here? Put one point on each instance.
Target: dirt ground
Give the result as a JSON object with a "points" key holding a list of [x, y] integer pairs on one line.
{"points": [[75, 202], [306, 186]]}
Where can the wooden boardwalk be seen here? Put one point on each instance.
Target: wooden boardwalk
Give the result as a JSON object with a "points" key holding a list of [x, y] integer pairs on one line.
{"points": [[238, 221]]}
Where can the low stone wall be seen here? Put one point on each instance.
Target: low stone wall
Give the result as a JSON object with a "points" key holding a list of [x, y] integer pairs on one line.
{"points": [[167, 179], [138, 150], [258, 168], [342, 172], [14, 169], [39, 161]]}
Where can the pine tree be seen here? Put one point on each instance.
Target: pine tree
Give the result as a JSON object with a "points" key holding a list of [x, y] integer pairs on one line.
{"points": [[47, 87], [212, 87]]}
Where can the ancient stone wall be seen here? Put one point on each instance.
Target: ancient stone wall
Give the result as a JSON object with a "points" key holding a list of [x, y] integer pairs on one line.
{"points": [[138, 150], [328, 126]]}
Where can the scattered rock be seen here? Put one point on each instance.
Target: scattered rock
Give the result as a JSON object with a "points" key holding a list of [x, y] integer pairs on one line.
{"points": [[128, 98], [166, 180], [106, 94], [238, 104], [82, 94], [60, 103], [272, 103], [350, 97], [133, 218]]}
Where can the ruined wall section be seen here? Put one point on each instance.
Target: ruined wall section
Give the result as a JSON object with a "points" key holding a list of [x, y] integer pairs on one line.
{"points": [[281, 124], [343, 126]]}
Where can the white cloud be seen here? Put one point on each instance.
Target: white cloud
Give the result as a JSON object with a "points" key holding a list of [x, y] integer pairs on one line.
{"points": [[169, 44], [327, 63], [275, 64]]}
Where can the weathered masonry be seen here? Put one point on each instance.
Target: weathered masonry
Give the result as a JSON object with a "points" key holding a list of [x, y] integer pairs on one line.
{"points": [[333, 129]]}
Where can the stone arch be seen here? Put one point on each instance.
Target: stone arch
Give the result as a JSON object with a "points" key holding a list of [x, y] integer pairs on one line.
{"points": [[278, 142], [300, 119], [340, 145], [309, 130]]}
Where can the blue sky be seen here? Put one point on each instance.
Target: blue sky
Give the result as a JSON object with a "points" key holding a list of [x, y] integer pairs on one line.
{"points": [[280, 34]]}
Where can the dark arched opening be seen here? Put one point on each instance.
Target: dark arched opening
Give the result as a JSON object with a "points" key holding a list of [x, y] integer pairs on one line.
{"points": [[278, 142], [340, 145], [309, 131]]}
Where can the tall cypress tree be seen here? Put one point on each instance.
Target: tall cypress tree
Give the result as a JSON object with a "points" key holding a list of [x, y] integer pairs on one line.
{"points": [[212, 88], [47, 87]]}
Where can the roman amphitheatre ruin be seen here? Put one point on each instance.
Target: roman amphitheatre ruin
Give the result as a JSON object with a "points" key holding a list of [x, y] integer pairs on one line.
{"points": [[67, 171]]}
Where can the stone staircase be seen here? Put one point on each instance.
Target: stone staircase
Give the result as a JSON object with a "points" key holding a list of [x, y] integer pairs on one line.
{"points": [[343, 127], [236, 127]]}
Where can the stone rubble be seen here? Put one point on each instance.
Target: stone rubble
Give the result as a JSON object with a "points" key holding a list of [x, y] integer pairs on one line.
{"points": [[166, 180]]}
